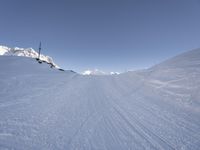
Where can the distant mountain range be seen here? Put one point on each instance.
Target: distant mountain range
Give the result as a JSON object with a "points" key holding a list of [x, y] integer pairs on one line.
{"points": [[98, 72]]}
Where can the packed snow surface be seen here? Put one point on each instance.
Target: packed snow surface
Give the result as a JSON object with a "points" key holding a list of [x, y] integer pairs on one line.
{"points": [[47, 109]]}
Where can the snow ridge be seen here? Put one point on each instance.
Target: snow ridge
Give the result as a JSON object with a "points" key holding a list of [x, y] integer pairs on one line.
{"points": [[26, 52]]}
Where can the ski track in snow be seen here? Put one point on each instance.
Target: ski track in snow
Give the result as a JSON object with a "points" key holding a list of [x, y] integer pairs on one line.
{"points": [[41, 108]]}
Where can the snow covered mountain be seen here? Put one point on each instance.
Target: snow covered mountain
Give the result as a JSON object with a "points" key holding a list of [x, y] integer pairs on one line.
{"points": [[93, 72], [157, 108], [98, 72], [26, 52]]}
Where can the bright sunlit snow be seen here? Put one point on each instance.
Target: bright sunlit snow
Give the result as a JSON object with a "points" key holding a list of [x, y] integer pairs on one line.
{"points": [[26, 52], [98, 72]]}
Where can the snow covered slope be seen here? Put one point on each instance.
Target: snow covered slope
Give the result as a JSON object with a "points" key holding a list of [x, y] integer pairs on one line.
{"points": [[157, 108], [179, 77], [26, 52]]}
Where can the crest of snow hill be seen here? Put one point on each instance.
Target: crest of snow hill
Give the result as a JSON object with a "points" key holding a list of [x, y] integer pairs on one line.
{"points": [[27, 52]]}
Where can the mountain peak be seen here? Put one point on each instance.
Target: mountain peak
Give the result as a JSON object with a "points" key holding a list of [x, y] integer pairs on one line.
{"points": [[26, 52], [98, 72]]}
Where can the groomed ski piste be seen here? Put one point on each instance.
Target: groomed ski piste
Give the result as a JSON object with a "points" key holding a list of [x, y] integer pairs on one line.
{"points": [[46, 109]]}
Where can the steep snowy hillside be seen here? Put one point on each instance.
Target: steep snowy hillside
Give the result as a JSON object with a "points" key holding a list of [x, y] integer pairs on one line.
{"points": [[157, 108], [28, 52], [179, 77]]}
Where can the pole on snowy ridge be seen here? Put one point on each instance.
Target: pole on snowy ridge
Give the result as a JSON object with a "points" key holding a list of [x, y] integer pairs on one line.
{"points": [[40, 48]]}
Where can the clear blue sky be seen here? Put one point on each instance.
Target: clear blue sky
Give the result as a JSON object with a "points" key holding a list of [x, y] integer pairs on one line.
{"points": [[111, 35]]}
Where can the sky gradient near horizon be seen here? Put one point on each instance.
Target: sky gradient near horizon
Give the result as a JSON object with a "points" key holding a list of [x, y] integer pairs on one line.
{"points": [[110, 35]]}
